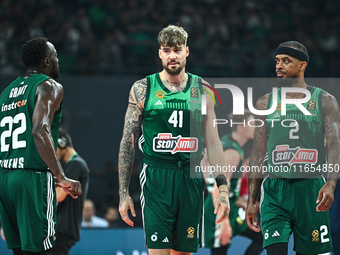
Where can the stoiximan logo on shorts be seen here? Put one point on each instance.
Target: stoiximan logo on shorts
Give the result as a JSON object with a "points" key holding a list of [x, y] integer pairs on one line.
{"points": [[164, 142], [284, 154]]}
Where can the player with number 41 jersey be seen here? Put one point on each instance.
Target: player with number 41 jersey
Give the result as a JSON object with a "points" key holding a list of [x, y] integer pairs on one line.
{"points": [[172, 124]]}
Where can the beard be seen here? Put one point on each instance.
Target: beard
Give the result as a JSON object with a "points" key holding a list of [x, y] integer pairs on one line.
{"points": [[55, 74], [289, 81], [175, 70]]}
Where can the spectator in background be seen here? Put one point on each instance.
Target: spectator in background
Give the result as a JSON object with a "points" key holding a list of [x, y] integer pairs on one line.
{"points": [[113, 218], [70, 211], [90, 220]]}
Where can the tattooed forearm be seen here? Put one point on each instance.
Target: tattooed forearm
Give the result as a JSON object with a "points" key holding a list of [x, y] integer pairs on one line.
{"points": [[255, 176], [132, 125], [258, 153], [331, 114]]}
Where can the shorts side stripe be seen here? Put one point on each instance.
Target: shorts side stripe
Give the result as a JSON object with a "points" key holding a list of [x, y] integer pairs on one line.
{"points": [[49, 214], [142, 180]]}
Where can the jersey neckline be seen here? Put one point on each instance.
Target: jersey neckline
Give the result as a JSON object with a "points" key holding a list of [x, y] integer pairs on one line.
{"points": [[167, 90]]}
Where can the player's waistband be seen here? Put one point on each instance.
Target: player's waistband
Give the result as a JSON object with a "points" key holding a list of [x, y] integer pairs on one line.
{"points": [[300, 178], [163, 163], [26, 169]]}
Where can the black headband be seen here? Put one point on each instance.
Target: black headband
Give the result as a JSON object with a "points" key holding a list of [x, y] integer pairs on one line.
{"points": [[292, 52]]}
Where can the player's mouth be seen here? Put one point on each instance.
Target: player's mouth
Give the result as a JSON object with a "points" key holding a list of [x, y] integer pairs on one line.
{"points": [[280, 74], [173, 63]]}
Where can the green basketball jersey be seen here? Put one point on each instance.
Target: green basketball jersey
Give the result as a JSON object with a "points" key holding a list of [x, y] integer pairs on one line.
{"points": [[172, 122], [18, 148], [229, 143], [296, 147]]}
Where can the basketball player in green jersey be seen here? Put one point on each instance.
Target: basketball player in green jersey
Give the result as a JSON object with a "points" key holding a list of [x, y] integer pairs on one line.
{"points": [[296, 199], [167, 107], [29, 125]]}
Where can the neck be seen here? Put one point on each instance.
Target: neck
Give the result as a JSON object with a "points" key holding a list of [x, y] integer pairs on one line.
{"points": [[173, 79], [31, 71], [174, 83], [239, 138], [300, 83], [69, 153]]}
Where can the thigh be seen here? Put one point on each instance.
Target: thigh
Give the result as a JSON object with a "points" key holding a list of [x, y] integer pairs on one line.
{"points": [[187, 235], [8, 214], [36, 210], [312, 232], [158, 205], [276, 224]]}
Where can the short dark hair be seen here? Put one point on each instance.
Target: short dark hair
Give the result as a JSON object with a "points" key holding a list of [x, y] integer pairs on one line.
{"points": [[239, 118], [172, 36], [295, 45], [33, 51], [64, 139]]}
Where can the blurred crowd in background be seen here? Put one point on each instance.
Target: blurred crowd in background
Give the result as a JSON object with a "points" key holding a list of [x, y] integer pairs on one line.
{"points": [[119, 37]]}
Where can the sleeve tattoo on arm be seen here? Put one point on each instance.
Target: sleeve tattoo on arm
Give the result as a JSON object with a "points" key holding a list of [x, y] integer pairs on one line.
{"points": [[132, 126], [331, 114], [258, 152]]}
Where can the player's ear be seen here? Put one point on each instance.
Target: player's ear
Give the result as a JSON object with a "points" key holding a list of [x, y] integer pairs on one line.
{"points": [[160, 51], [46, 61], [187, 50], [302, 66]]}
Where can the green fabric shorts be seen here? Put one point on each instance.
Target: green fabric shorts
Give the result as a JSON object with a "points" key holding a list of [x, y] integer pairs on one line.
{"points": [[28, 209], [290, 206], [172, 207]]}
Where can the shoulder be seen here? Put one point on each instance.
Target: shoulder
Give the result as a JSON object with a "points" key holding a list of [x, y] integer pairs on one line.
{"points": [[262, 102], [138, 90], [206, 85], [328, 97], [79, 163], [329, 104], [50, 85], [140, 83]]}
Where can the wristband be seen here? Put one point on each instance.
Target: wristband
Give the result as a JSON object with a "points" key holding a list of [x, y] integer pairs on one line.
{"points": [[221, 180]]}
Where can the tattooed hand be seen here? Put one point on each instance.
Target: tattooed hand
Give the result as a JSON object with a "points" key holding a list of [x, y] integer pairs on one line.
{"points": [[222, 205], [125, 204]]}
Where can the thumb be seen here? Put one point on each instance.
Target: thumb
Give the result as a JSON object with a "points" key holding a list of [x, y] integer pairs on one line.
{"points": [[319, 196], [254, 220], [132, 208]]}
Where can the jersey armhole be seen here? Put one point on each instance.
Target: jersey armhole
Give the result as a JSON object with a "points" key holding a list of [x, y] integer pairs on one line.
{"points": [[320, 108], [270, 102], [147, 93]]}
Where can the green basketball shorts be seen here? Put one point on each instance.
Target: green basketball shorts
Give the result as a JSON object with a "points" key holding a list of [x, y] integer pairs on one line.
{"points": [[290, 206], [172, 207], [28, 209]]}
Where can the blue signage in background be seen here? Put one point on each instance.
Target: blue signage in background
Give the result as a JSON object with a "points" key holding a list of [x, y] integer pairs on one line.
{"points": [[128, 241]]}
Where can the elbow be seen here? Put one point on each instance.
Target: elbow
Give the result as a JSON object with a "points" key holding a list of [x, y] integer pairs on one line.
{"points": [[38, 131]]}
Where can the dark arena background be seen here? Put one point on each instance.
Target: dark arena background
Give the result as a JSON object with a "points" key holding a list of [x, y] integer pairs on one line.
{"points": [[105, 46]]}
